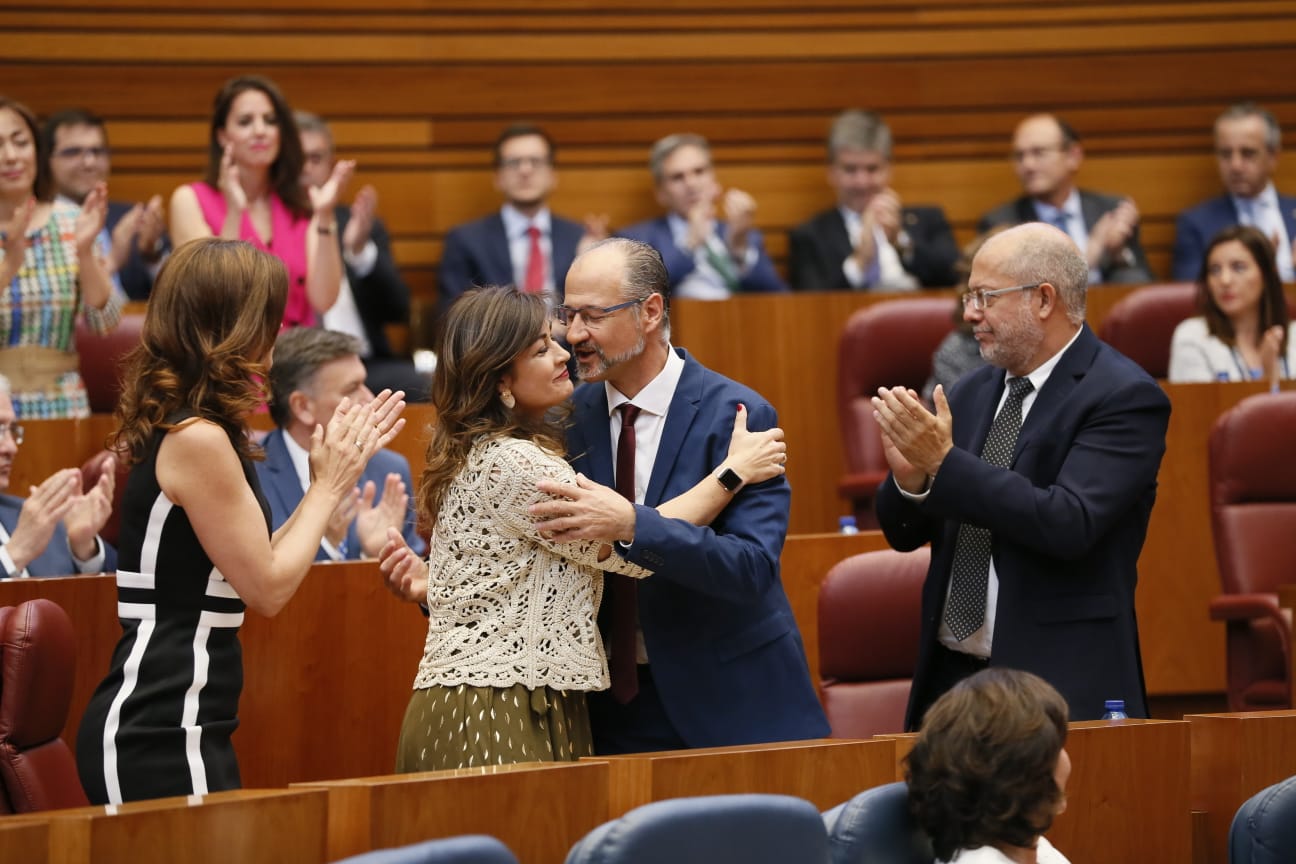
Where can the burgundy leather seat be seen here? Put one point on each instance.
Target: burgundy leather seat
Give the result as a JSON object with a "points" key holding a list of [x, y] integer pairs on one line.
{"points": [[870, 614], [1142, 324], [101, 357], [37, 767], [885, 345], [1253, 516]]}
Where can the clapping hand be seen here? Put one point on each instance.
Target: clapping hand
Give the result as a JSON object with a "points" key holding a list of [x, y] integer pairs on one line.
{"points": [[325, 198], [740, 214], [360, 226], [340, 451], [88, 513], [90, 221], [229, 182], [404, 573], [373, 520], [45, 506]]}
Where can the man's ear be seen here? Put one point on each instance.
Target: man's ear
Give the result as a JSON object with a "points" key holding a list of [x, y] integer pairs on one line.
{"points": [[1048, 299], [652, 309], [299, 406]]}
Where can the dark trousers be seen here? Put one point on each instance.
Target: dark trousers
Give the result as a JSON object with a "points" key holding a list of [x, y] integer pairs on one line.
{"points": [[638, 726], [948, 668]]}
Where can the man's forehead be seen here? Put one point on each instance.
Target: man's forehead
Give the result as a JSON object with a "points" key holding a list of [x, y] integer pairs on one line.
{"points": [[77, 130]]}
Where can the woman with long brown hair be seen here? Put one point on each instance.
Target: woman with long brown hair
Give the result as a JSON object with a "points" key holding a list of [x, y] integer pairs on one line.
{"points": [[253, 192], [512, 644], [196, 547]]}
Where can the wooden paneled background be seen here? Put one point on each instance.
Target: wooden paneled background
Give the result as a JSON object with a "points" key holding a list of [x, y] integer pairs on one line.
{"points": [[417, 90]]}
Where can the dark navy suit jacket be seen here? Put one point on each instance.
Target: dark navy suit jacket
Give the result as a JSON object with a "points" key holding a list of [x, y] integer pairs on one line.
{"points": [[657, 234], [477, 253], [136, 280], [1068, 517], [56, 560], [817, 248], [726, 654], [1195, 227], [282, 488]]}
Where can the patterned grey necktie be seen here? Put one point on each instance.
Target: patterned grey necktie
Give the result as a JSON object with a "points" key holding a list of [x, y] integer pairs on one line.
{"points": [[965, 609]]}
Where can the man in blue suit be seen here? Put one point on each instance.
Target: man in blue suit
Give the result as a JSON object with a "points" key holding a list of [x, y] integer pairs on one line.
{"points": [[707, 258], [1033, 483], [55, 531], [524, 244], [1247, 141], [313, 370], [719, 657]]}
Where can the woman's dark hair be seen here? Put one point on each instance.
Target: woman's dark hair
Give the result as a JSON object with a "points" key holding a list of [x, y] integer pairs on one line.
{"points": [[484, 332], [285, 172], [211, 321], [43, 189], [1273, 304], [982, 770]]}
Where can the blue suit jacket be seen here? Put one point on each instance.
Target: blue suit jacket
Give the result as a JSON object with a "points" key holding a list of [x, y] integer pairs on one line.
{"points": [[477, 253], [283, 490], [726, 654], [657, 234], [1068, 517], [56, 560], [1195, 227]]}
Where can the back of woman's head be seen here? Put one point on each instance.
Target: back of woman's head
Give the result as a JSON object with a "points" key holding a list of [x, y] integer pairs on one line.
{"points": [[483, 333], [1273, 303], [212, 319], [982, 770]]}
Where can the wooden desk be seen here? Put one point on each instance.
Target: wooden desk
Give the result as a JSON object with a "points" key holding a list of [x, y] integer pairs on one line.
{"points": [[25, 839], [1127, 800], [251, 826], [1234, 756], [538, 810], [825, 772]]}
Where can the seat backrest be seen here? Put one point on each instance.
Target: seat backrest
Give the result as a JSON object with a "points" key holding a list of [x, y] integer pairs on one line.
{"points": [[884, 345], [1142, 324], [753, 829], [36, 666], [100, 359], [468, 849], [870, 614], [875, 827], [1264, 829], [91, 470], [1253, 493]]}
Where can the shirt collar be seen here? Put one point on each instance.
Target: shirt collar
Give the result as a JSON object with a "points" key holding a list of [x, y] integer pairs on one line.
{"points": [[1268, 196], [656, 397], [516, 225], [1071, 207]]}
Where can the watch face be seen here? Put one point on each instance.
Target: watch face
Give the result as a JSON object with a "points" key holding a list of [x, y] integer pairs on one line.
{"points": [[730, 480]]}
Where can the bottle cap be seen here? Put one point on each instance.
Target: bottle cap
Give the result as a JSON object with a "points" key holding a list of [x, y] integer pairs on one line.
{"points": [[1114, 704], [845, 521]]}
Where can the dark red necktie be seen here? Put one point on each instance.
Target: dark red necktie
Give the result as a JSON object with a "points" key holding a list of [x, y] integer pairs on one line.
{"points": [[535, 272], [622, 590]]}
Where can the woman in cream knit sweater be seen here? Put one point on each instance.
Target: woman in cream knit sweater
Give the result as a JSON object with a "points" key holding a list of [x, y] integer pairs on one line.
{"points": [[512, 643]]}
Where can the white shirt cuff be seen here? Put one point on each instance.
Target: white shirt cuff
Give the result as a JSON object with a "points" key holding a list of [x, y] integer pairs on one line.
{"points": [[331, 551], [11, 569], [853, 272], [913, 496], [363, 264], [93, 564]]}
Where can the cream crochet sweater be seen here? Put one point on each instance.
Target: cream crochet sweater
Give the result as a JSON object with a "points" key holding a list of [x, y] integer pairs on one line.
{"points": [[506, 606]]}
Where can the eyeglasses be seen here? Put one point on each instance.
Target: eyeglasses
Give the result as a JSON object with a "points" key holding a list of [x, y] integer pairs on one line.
{"points": [[593, 316], [517, 162], [981, 299], [74, 153], [13, 430]]}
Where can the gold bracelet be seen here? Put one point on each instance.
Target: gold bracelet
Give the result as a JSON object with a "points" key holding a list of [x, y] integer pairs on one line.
{"points": [[324, 229]]}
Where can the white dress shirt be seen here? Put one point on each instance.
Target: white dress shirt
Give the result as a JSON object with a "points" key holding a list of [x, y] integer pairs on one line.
{"points": [[705, 282], [301, 464], [519, 243], [891, 273], [1263, 213]]}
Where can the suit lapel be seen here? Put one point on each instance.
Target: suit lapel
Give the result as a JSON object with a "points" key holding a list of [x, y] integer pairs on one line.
{"points": [[594, 440], [1026, 211], [1287, 207], [836, 237], [1071, 367], [683, 411], [497, 251], [284, 483], [564, 238]]}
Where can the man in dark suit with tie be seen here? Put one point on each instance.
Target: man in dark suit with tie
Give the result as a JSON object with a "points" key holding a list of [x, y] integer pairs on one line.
{"points": [[313, 371], [869, 241], [708, 258], [716, 658], [524, 244], [1247, 141], [1033, 483], [54, 531], [1046, 158], [134, 238]]}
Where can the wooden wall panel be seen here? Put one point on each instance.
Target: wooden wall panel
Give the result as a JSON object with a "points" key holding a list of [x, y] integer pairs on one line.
{"points": [[419, 89]]}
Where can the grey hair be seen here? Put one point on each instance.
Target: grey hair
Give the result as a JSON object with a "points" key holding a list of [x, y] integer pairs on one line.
{"points": [[308, 122], [859, 130], [645, 275], [1243, 110], [298, 355], [662, 150], [1047, 255]]}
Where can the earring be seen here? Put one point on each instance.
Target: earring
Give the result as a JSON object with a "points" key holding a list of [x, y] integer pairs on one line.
{"points": [[506, 397]]}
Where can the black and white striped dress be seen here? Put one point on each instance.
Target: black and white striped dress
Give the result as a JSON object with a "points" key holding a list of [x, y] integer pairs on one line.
{"points": [[160, 723]]}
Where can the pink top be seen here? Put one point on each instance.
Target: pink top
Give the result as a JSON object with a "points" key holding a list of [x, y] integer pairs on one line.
{"points": [[287, 243]]}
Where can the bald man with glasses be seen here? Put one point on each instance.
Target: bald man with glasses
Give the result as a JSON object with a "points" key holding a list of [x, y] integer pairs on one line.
{"points": [[1033, 481]]}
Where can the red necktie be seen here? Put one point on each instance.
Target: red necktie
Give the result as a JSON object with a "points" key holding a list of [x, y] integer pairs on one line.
{"points": [[622, 590], [535, 272]]}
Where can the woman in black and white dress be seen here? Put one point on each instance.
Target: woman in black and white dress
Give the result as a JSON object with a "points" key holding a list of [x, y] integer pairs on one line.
{"points": [[196, 547]]}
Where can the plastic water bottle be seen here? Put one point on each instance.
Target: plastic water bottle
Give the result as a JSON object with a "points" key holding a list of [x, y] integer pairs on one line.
{"points": [[846, 525], [1115, 710]]}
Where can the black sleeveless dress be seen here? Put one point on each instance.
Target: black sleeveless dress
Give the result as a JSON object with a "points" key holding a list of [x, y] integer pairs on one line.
{"points": [[160, 723]]}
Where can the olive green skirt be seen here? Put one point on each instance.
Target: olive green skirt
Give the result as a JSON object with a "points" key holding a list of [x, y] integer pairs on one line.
{"points": [[466, 727]]}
